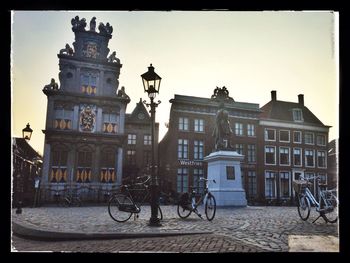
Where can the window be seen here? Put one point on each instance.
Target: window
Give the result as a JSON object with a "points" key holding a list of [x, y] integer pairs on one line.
{"points": [[146, 158], [107, 172], [239, 148], [251, 130], [199, 125], [251, 184], [298, 115], [183, 124], [270, 155], [323, 178], [284, 156], [59, 166], [198, 150], [110, 121], [239, 129], [198, 184], [309, 158], [63, 119], [284, 136], [309, 138], [182, 149], [131, 157], [270, 135], [131, 138], [297, 137], [284, 185], [321, 140], [147, 139], [270, 184], [297, 157], [251, 153], [88, 84], [182, 180], [84, 170], [321, 159]]}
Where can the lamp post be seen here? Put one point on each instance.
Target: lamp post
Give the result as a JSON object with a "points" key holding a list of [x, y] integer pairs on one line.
{"points": [[27, 132], [151, 84]]}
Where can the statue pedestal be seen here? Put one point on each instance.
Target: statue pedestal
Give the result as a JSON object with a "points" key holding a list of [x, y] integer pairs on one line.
{"points": [[225, 168]]}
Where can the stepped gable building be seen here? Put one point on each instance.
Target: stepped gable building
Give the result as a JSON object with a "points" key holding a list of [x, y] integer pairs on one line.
{"points": [[84, 131], [190, 138], [138, 149], [292, 142]]}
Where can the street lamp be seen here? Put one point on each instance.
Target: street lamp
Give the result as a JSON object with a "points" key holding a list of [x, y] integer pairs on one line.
{"points": [[27, 132], [151, 84]]}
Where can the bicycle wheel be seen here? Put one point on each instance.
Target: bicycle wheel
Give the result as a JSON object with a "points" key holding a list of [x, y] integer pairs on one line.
{"points": [[113, 208], [210, 207], [182, 211], [160, 213], [304, 207], [331, 216]]}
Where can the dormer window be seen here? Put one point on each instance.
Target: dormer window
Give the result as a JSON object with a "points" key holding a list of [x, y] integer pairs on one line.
{"points": [[298, 115]]}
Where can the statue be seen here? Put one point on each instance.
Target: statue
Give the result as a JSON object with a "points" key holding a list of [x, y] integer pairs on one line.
{"points": [[221, 95], [112, 58], [52, 86], [67, 50], [93, 24], [105, 29], [222, 129], [78, 24], [122, 94]]}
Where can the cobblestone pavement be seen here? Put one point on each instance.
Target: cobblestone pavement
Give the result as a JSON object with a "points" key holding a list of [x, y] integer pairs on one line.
{"points": [[248, 229]]}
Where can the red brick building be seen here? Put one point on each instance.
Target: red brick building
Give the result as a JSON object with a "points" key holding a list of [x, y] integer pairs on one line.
{"points": [[280, 141]]}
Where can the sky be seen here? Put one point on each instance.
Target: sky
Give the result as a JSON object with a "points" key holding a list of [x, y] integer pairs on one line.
{"points": [[250, 53]]}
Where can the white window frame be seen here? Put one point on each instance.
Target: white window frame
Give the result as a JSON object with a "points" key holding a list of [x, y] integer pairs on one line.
{"points": [[199, 125], [305, 156], [275, 184], [301, 137], [251, 130], [321, 135], [198, 149], [295, 113], [183, 144], [280, 184], [147, 139], [313, 138], [250, 155], [301, 157], [266, 135], [239, 129], [183, 124], [270, 146], [280, 156], [280, 135], [325, 160]]}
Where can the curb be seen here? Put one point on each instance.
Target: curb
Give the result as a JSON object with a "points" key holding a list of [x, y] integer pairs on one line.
{"points": [[38, 234]]}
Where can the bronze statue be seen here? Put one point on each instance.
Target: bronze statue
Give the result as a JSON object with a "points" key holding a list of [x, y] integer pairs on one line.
{"points": [[67, 50], [222, 129], [112, 58], [93, 24], [52, 86]]}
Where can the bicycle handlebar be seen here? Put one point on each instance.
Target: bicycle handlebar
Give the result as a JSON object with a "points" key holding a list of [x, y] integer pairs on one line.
{"points": [[205, 179]]}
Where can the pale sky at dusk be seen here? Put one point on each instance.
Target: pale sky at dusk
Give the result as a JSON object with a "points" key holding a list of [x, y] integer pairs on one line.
{"points": [[250, 53]]}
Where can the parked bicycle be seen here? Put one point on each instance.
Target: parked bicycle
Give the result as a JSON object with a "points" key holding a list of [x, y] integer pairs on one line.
{"points": [[188, 204], [326, 205], [72, 199], [128, 201]]}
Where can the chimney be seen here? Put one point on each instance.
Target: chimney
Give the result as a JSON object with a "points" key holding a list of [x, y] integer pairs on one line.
{"points": [[273, 95], [301, 99]]}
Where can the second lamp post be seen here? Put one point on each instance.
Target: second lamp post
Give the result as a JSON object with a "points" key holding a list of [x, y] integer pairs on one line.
{"points": [[151, 84]]}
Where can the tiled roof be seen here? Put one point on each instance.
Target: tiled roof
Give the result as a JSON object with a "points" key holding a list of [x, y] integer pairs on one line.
{"points": [[283, 111]]}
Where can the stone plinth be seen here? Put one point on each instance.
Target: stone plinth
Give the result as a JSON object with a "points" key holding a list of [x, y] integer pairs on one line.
{"points": [[225, 168]]}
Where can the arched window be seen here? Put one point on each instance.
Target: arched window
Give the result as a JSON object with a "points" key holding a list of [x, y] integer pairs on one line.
{"points": [[84, 166], [107, 172], [59, 160]]}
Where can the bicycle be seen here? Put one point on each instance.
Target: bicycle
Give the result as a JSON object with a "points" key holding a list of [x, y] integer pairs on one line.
{"points": [[327, 204], [188, 204], [72, 199], [122, 205]]}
